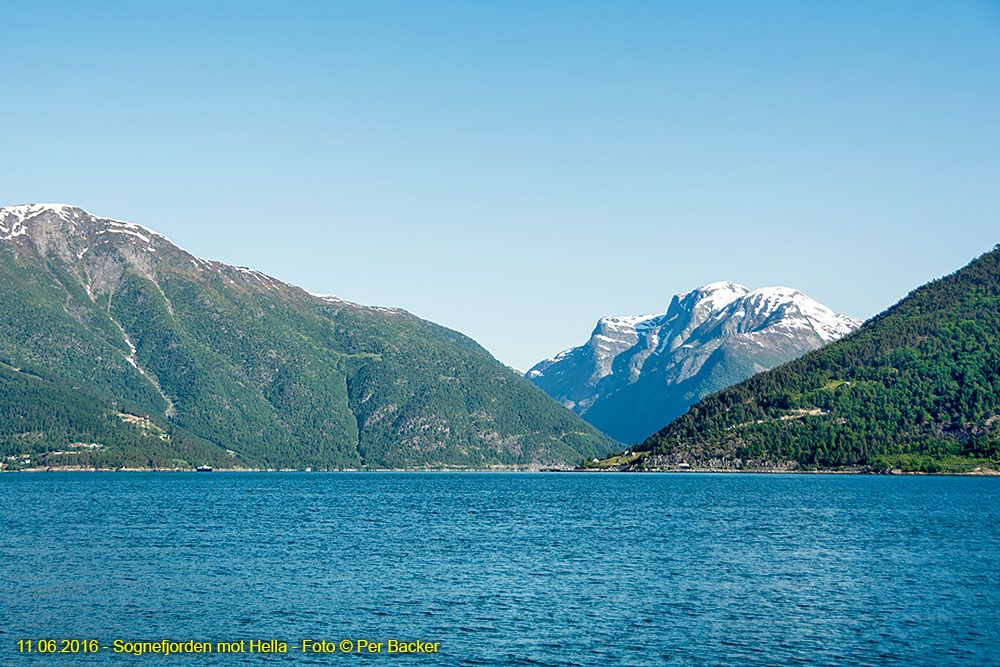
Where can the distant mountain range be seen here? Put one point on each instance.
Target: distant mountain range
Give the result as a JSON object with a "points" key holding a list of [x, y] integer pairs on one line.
{"points": [[636, 374], [917, 388], [118, 348]]}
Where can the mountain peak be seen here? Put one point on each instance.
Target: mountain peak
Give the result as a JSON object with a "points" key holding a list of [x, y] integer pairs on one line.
{"points": [[710, 298], [12, 217], [718, 286], [778, 291], [22, 219], [25, 212], [90, 244], [722, 289], [31, 209], [709, 337]]}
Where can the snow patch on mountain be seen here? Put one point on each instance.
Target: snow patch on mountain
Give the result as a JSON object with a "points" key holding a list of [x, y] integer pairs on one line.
{"points": [[17, 221], [333, 298]]}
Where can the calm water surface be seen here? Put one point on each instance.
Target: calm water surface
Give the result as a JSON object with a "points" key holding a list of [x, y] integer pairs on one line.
{"points": [[508, 569]]}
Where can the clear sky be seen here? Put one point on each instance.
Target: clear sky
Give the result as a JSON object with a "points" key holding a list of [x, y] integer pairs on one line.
{"points": [[516, 170]]}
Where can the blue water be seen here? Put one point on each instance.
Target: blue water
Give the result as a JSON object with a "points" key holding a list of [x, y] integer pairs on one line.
{"points": [[507, 569]]}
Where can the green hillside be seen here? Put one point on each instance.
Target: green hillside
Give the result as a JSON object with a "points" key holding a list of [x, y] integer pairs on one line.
{"points": [[234, 368], [916, 388]]}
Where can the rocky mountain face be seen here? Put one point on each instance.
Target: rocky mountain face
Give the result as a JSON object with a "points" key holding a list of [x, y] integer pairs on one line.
{"points": [[635, 374], [117, 347]]}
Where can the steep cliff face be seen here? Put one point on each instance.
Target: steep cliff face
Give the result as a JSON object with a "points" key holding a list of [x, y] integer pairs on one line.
{"points": [[265, 372], [635, 374]]}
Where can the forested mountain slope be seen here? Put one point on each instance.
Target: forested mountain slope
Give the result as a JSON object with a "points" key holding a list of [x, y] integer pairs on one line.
{"points": [[106, 321], [916, 387]]}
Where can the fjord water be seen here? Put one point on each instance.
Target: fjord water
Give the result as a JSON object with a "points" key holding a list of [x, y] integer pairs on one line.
{"points": [[508, 569]]}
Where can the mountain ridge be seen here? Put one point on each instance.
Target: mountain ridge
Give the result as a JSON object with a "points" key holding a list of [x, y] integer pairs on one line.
{"points": [[635, 373], [228, 356]]}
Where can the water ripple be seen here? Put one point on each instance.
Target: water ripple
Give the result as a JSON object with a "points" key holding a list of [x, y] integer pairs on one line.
{"points": [[510, 569]]}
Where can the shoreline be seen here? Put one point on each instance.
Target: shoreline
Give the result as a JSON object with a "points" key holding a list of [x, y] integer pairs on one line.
{"points": [[738, 471], [283, 470], [699, 471]]}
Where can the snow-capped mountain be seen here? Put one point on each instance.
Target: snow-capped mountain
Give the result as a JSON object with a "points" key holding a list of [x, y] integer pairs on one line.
{"points": [[635, 374]]}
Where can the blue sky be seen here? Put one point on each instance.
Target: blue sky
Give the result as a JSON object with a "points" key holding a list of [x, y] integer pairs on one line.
{"points": [[516, 170]]}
